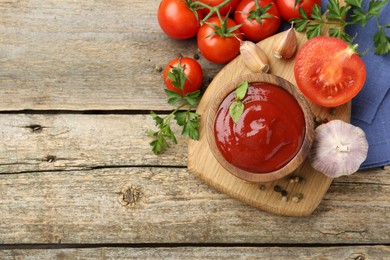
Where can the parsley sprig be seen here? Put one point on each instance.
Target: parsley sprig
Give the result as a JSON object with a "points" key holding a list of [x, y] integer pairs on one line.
{"points": [[185, 118], [237, 107], [335, 16]]}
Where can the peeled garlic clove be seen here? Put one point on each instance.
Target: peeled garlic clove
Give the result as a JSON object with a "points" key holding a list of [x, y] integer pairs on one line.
{"points": [[338, 149], [254, 57], [286, 46]]}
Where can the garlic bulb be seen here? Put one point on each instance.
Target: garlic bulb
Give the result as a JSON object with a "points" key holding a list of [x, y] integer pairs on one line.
{"points": [[339, 148], [286, 46], [254, 57]]}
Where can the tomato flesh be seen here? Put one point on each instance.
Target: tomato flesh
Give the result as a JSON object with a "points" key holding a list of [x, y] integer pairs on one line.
{"points": [[328, 72]]}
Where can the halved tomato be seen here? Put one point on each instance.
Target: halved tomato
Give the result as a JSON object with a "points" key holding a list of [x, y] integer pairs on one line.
{"points": [[328, 71]]}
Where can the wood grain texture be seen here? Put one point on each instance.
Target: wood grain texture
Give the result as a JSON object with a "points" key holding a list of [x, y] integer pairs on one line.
{"points": [[170, 205], [85, 208], [276, 253], [91, 179], [89, 55], [71, 141]]}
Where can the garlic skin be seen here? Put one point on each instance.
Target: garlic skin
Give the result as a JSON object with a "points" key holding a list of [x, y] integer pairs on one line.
{"points": [[286, 46], [254, 57], [338, 149]]}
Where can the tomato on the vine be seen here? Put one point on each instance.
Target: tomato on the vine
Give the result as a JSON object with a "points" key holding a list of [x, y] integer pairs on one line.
{"points": [[177, 20], [260, 18], [289, 9], [328, 71], [230, 7], [217, 40], [183, 75]]}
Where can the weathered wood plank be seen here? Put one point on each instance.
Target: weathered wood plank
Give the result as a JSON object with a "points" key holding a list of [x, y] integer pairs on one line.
{"points": [[169, 205], [303, 253], [72, 141], [87, 55]]}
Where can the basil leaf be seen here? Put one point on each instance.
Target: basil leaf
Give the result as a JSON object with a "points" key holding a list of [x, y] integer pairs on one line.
{"points": [[235, 110]]}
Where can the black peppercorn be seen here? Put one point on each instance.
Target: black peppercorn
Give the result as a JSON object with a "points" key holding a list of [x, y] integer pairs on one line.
{"points": [[277, 188]]}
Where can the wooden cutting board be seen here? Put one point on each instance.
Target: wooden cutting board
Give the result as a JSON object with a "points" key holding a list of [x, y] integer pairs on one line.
{"points": [[201, 162]]}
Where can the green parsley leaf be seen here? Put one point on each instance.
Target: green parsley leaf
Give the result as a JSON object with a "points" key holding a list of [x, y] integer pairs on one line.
{"points": [[375, 6], [181, 118], [177, 76], [190, 129], [173, 97], [313, 30], [358, 16], [335, 11], [156, 118], [356, 3], [316, 13], [381, 42], [193, 97]]}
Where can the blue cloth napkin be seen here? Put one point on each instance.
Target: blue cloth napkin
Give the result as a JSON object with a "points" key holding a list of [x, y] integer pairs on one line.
{"points": [[371, 107]]}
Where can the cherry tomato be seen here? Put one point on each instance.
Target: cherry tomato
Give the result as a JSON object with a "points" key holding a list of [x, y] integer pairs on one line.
{"points": [[328, 71], [289, 10], [177, 20], [258, 23], [219, 48], [228, 8], [187, 69]]}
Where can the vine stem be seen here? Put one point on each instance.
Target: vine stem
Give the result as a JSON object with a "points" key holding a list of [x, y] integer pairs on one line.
{"points": [[212, 9]]}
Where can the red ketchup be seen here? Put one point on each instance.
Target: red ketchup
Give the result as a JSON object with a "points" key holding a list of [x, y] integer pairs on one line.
{"points": [[268, 134]]}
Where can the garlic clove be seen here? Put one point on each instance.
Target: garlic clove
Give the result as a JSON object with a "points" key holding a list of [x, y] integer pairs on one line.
{"points": [[254, 57], [286, 46], [338, 149]]}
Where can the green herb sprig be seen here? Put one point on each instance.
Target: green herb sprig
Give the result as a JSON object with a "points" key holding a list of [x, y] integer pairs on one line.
{"points": [[336, 18], [237, 107], [187, 119]]}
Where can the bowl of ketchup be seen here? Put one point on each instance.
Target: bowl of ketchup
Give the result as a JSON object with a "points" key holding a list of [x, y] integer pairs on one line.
{"points": [[273, 135]]}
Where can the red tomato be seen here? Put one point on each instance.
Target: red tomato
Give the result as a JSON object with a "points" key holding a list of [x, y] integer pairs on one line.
{"points": [[193, 75], [328, 71], [217, 48], [288, 10], [228, 8], [257, 24], [177, 20]]}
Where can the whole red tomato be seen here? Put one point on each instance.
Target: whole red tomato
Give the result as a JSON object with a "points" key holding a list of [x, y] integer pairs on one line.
{"points": [[183, 75], [217, 40], [230, 7], [260, 19], [177, 20], [328, 71], [289, 10]]}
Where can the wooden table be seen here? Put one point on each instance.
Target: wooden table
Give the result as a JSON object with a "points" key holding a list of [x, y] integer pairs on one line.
{"points": [[78, 178]]}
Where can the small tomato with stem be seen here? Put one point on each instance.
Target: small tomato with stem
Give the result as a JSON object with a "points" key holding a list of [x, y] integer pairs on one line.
{"points": [[178, 18], [218, 39], [289, 9], [259, 18], [183, 75]]}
